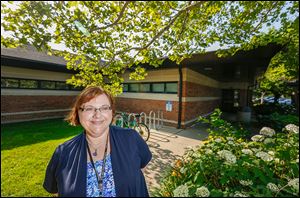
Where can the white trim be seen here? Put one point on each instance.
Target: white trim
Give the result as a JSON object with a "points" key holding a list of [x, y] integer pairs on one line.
{"points": [[31, 119], [196, 99], [166, 97], [36, 92], [149, 96], [34, 112]]}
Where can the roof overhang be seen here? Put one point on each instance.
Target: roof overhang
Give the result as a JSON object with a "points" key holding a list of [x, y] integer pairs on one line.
{"points": [[224, 69]]}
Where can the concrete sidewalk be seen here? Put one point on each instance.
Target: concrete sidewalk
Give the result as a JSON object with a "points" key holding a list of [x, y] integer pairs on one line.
{"points": [[167, 145]]}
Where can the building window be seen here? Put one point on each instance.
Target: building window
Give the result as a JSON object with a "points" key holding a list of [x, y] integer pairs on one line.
{"points": [[125, 87], [9, 83], [158, 87], [171, 87], [236, 98], [47, 84], [28, 84], [134, 87], [18, 83], [164, 87], [145, 87], [61, 85]]}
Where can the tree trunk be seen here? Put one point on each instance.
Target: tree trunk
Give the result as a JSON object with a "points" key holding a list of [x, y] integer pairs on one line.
{"points": [[262, 97]]}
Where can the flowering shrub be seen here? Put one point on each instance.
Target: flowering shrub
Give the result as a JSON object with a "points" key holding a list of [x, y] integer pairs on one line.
{"points": [[221, 127], [267, 165]]}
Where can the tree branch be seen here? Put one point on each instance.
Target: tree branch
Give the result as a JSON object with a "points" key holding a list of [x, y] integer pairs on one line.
{"points": [[139, 49], [117, 20], [264, 17]]}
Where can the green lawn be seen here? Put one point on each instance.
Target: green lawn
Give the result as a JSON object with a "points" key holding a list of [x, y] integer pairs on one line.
{"points": [[26, 149]]}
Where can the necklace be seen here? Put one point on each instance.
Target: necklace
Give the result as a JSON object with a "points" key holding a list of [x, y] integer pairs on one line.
{"points": [[99, 178], [95, 153]]}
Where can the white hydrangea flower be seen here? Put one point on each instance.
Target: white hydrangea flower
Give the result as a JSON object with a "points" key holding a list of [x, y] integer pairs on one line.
{"points": [[247, 182], [255, 150], [286, 144], [264, 156], [272, 187], [247, 151], [230, 138], [266, 131], [230, 142], [271, 153], [297, 160], [202, 192], [277, 160], [257, 138], [240, 194], [218, 140], [269, 140], [181, 191], [228, 156], [292, 128], [294, 183], [208, 151]]}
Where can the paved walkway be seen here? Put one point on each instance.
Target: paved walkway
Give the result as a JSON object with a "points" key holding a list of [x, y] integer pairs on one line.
{"points": [[167, 145]]}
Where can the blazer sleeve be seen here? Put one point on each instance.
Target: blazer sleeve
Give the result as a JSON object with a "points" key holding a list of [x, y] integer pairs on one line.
{"points": [[50, 183], [143, 149]]}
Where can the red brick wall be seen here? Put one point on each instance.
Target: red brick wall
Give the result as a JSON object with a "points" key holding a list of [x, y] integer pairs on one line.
{"points": [[142, 105], [191, 110], [11, 104], [190, 89], [34, 103]]}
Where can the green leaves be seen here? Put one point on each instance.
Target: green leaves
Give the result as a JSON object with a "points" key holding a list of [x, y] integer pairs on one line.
{"points": [[124, 33]]}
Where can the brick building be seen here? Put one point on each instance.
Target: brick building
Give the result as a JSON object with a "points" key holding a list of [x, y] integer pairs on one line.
{"points": [[182, 92]]}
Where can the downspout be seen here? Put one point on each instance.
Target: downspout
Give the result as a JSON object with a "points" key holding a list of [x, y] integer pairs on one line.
{"points": [[180, 97]]}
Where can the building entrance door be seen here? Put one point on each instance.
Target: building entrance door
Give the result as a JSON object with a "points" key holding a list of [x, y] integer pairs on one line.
{"points": [[228, 100]]}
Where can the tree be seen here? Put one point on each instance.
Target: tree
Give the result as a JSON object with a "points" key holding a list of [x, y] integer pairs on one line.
{"points": [[108, 37], [284, 66]]}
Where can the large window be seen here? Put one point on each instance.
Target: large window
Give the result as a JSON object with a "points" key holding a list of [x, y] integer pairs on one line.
{"points": [[32, 84], [171, 87], [18, 83], [159, 87], [48, 84], [145, 87], [9, 83]]}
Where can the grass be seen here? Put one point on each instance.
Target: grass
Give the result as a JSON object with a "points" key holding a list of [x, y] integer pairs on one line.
{"points": [[26, 149]]}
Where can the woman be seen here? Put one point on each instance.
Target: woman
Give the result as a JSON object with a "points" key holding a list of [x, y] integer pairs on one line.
{"points": [[123, 153]]}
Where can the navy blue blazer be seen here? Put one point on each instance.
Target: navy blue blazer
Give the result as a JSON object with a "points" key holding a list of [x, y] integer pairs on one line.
{"points": [[67, 170]]}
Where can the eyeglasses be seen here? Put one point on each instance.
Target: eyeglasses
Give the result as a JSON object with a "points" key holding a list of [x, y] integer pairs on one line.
{"points": [[91, 109]]}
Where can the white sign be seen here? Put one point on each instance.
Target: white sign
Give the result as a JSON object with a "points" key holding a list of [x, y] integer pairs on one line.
{"points": [[168, 106]]}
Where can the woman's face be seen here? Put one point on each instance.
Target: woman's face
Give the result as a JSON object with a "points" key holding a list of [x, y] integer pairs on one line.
{"points": [[96, 115]]}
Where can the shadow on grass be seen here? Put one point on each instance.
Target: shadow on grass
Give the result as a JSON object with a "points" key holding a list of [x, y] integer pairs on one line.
{"points": [[25, 133]]}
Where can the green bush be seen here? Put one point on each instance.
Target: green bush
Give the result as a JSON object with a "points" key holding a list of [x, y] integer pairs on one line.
{"points": [[221, 127], [277, 121], [266, 166], [269, 108]]}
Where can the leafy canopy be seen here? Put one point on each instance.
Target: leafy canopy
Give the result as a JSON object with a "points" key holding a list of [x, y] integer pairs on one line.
{"points": [[105, 38]]}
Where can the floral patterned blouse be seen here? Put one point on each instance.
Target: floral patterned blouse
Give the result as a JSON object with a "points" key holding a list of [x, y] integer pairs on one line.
{"points": [[92, 189]]}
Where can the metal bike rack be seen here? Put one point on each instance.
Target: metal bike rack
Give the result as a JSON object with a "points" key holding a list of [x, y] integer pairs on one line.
{"points": [[129, 116], [152, 120], [143, 115], [119, 117], [159, 119]]}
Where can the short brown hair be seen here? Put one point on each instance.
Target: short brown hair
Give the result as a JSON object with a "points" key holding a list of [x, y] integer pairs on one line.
{"points": [[86, 95]]}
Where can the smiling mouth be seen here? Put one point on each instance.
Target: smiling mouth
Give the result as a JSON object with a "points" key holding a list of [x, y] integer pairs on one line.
{"points": [[97, 122]]}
